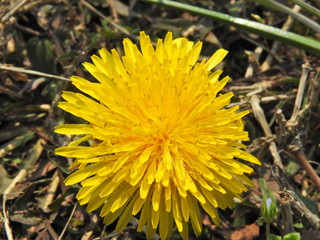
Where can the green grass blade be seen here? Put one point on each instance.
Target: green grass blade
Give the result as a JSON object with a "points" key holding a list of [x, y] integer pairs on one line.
{"points": [[307, 44], [296, 15], [307, 7]]}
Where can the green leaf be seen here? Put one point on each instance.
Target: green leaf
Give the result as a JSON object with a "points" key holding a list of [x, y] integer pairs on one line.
{"points": [[311, 205], [40, 52], [292, 168], [263, 186], [16, 142], [268, 207], [292, 236], [298, 225], [274, 237], [295, 81], [260, 221], [307, 44]]}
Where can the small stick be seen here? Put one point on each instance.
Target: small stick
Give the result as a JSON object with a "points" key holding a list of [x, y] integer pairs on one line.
{"points": [[297, 104], [68, 222], [274, 98], [13, 10], [26, 71], [27, 29]]}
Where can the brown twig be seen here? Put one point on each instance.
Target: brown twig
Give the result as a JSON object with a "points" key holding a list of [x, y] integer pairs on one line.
{"points": [[304, 163], [27, 29]]}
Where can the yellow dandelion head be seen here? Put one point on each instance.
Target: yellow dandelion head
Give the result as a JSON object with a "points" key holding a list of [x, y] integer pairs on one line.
{"points": [[162, 142]]}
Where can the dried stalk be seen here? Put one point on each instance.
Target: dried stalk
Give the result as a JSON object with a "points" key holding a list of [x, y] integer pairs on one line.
{"points": [[298, 122], [259, 115], [26, 71], [285, 203], [297, 104], [251, 70], [300, 210], [32, 158]]}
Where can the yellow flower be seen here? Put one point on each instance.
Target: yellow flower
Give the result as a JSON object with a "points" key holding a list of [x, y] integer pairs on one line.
{"points": [[159, 141]]}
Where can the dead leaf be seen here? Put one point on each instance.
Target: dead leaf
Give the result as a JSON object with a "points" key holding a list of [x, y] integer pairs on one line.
{"points": [[207, 222], [25, 220], [249, 232]]}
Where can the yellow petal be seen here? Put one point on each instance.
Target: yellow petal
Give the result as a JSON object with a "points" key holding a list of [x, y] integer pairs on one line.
{"points": [[71, 129], [216, 58]]}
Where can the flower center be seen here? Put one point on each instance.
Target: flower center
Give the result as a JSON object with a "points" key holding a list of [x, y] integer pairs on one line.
{"points": [[160, 138]]}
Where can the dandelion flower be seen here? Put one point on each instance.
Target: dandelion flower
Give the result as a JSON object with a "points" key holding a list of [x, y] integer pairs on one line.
{"points": [[159, 143]]}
